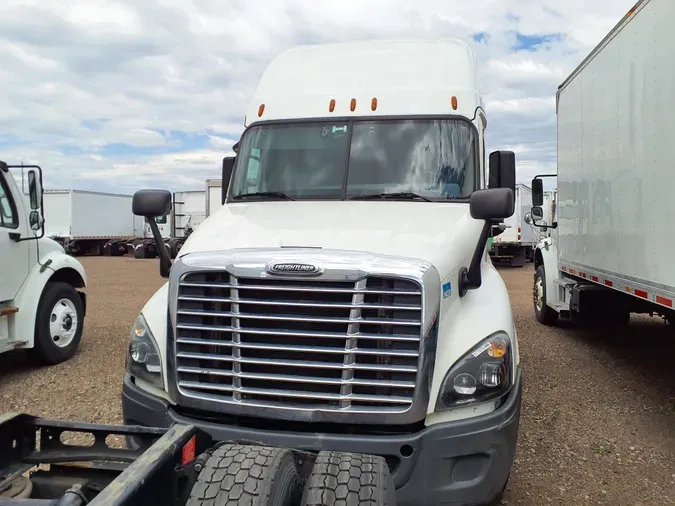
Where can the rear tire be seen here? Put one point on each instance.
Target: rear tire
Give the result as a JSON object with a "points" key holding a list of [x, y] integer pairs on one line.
{"points": [[542, 311], [59, 324], [237, 475], [349, 479]]}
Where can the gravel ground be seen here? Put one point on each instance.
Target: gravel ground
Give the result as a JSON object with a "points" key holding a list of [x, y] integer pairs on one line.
{"points": [[598, 420]]}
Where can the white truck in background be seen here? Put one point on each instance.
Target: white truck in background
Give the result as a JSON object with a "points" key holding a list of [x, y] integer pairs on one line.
{"points": [[341, 300], [516, 243], [42, 289], [91, 223], [608, 253], [214, 195]]}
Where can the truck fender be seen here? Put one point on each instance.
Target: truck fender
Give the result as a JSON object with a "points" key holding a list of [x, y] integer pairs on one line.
{"points": [[53, 266], [546, 254], [465, 322]]}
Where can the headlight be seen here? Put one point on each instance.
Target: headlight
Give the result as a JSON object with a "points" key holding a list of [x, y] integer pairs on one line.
{"points": [[143, 359], [482, 374]]}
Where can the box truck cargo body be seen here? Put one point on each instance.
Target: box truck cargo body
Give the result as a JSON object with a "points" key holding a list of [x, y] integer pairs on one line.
{"points": [[609, 253], [88, 222], [515, 244]]}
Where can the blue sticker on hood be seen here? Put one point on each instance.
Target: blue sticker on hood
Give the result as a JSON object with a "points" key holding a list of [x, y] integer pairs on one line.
{"points": [[447, 290]]}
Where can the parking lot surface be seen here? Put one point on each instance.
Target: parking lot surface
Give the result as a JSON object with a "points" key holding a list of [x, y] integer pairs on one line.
{"points": [[598, 419]]}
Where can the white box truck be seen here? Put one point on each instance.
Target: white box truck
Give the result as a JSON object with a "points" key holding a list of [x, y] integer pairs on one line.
{"points": [[608, 253], [341, 302], [516, 243], [42, 289], [88, 222]]}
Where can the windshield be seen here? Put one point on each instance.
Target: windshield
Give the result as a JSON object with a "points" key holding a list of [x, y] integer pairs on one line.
{"points": [[432, 158]]}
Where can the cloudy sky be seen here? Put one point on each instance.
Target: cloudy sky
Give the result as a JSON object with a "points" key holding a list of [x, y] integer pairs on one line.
{"points": [[125, 94]]}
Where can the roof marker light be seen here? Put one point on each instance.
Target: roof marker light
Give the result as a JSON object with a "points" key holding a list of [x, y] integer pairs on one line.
{"points": [[453, 102], [261, 109], [352, 105], [331, 105], [373, 104]]}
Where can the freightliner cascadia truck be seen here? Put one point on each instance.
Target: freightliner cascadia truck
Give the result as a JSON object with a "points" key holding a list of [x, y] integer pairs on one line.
{"points": [[342, 301]]}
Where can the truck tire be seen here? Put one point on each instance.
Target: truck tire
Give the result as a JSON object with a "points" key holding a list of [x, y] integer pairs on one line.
{"points": [[59, 324], [237, 475], [349, 479], [543, 313]]}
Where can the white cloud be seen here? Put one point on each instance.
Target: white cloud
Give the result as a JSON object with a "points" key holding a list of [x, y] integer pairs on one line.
{"points": [[118, 95]]}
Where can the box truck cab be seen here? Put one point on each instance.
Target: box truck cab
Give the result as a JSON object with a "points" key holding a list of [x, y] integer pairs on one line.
{"points": [[342, 298], [42, 290], [606, 256]]}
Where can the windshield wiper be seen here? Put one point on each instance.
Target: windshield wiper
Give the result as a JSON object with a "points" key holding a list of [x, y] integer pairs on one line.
{"points": [[280, 195], [395, 195]]}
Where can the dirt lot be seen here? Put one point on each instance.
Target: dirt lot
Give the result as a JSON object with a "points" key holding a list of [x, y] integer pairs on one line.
{"points": [[598, 421]]}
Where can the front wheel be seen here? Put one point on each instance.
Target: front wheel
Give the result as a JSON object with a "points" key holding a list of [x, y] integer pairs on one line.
{"points": [[58, 328], [542, 311]]}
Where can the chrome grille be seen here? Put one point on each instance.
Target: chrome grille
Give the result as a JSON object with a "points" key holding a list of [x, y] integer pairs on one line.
{"points": [[299, 344]]}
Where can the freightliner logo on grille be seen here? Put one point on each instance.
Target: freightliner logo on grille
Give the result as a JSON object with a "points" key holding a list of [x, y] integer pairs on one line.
{"points": [[293, 268]]}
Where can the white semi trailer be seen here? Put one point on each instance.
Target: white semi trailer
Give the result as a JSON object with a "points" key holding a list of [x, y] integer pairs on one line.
{"points": [[88, 222], [608, 253]]}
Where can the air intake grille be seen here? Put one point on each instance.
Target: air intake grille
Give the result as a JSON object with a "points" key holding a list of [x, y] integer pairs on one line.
{"points": [[311, 344]]}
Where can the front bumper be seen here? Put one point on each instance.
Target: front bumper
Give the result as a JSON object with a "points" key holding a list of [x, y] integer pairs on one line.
{"points": [[465, 462]]}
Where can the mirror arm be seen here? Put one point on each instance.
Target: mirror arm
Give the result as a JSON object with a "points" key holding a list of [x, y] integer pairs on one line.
{"points": [[470, 279], [164, 259]]}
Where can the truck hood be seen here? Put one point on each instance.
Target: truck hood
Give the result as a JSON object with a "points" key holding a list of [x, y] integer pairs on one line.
{"points": [[443, 234]]}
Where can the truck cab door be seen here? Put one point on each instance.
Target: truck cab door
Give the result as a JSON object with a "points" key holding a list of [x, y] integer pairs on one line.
{"points": [[14, 256]]}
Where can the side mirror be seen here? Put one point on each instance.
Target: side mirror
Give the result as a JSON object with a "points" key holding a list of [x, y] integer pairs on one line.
{"points": [[489, 205], [228, 165], [35, 220], [151, 203], [537, 213], [34, 190], [537, 192], [492, 204], [503, 170]]}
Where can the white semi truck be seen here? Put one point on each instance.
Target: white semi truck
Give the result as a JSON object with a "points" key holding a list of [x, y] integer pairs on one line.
{"points": [[608, 253], [516, 243], [341, 302], [42, 289]]}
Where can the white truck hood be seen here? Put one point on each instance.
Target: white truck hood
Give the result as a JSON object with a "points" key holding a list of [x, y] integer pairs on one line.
{"points": [[443, 234]]}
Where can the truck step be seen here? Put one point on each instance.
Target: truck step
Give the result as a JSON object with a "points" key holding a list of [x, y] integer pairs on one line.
{"points": [[560, 306], [565, 282], [6, 311], [11, 345]]}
